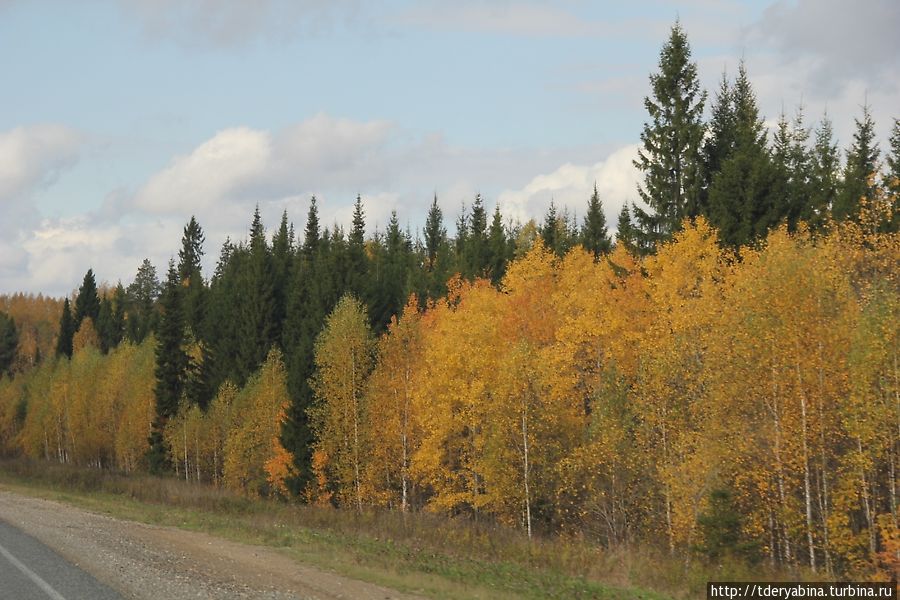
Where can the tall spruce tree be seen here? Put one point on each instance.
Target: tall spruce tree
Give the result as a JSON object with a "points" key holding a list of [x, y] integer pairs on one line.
{"points": [[66, 331], [742, 195], [550, 229], [670, 145], [282, 257], [824, 176], [172, 364], [625, 230], [9, 343], [499, 247], [719, 142], [190, 272], [87, 304], [477, 253], [435, 233], [594, 234], [860, 170], [142, 295], [256, 327]]}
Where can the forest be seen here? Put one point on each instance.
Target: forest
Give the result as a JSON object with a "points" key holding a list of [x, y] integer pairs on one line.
{"points": [[720, 377]]}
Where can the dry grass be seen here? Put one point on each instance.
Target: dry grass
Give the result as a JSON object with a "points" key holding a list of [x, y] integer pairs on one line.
{"points": [[421, 552]]}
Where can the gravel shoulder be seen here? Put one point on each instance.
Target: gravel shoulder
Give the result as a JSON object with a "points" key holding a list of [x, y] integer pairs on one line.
{"points": [[147, 561]]}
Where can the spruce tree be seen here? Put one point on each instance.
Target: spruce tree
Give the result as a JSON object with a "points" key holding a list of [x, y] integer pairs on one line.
{"points": [[357, 262], [594, 234], [823, 181], [87, 304], [171, 367], [190, 273], [892, 177], [282, 256], [499, 247], [104, 324], [859, 171], [477, 254], [461, 241], [625, 230], [256, 330], [670, 144], [435, 233], [142, 295], [66, 331], [550, 229], [311, 232], [742, 201], [9, 342], [719, 142]]}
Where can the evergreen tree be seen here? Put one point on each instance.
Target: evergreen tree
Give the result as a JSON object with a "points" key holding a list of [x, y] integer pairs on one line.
{"points": [[104, 324], [719, 142], [435, 233], [171, 367], [142, 294], [892, 177], [190, 273], [859, 171], [625, 230], [311, 232], [824, 168], [282, 255], [87, 304], [477, 259], [9, 342], [256, 301], [499, 247], [670, 144], [358, 264], [461, 241], [742, 195], [594, 234], [66, 331], [550, 229]]}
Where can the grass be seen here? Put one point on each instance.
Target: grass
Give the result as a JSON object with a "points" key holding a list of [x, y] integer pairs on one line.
{"points": [[419, 553]]}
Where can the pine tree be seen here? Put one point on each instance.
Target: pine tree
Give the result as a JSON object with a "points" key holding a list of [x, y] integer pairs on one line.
{"points": [[87, 304], [9, 343], [66, 331], [719, 143], [171, 367], [670, 152], [742, 195], [594, 234], [311, 232], [282, 256], [859, 172], [550, 229]]}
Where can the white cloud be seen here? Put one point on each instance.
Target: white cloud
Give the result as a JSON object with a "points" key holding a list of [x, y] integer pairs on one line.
{"points": [[34, 156], [234, 23], [571, 185]]}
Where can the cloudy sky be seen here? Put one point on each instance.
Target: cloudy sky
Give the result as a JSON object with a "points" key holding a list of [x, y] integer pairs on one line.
{"points": [[119, 119]]}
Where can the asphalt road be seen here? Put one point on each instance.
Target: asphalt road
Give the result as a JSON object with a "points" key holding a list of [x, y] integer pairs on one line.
{"points": [[29, 570]]}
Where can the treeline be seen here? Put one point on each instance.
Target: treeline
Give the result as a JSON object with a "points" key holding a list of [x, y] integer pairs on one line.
{"points": [[723, 377]]}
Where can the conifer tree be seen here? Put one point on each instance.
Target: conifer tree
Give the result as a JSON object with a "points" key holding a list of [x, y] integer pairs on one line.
{"points": [[550, 229], [670, 144], [357, 266], [741, 197], [256, 326], [499, 247], [824, 168], [892, 178], [87, 304], [66, 331], [719, 142], [9, 342], [859, 172], [190, 272], [171, 367], [142, 294], [282, 256], [594, 234], [477, 252], [435, 233], [625, 230]]}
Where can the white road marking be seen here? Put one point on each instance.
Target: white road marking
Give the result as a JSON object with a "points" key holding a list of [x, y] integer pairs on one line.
{"points": [[46, 587]]}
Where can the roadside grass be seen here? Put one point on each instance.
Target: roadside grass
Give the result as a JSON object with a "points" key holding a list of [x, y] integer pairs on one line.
{"points": [[418, 553]]}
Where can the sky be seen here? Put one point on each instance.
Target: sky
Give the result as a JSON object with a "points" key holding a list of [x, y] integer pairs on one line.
{"points": [[119, 119]]}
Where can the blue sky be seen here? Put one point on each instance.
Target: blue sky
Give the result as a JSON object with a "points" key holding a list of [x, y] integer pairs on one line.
{"points": [[120, 119]]}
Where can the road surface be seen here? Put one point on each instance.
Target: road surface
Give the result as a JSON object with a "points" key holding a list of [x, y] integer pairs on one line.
{"points": [[29, 570], [53, 550]]}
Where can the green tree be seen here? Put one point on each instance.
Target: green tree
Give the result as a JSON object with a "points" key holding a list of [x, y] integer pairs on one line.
{"points": [[498, 247], [742, 195], [824, 169], [9, 342], [66, 331], [719, 142], [256, 331], [142, 295], [87, 304], [171, 367], [477, 252], [594, 234], [670, 144], [859, 172], [190, 273], [625, 230]]}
